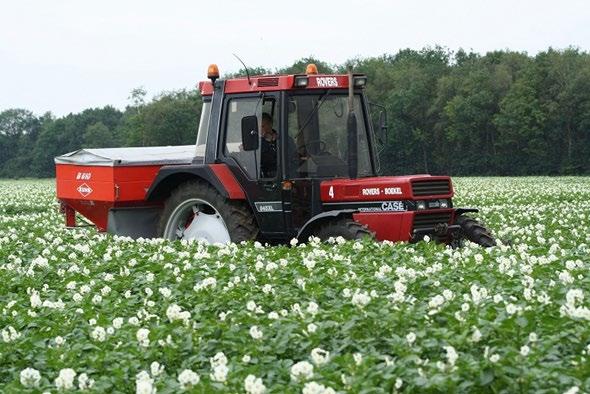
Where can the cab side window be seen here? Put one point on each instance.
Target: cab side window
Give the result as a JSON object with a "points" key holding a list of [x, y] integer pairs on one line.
{"points": [[252, 162]]}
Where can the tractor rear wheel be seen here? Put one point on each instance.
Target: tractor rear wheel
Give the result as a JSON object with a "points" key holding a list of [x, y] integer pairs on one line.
{"points": [[345, 227], [474, 231], [195, 210]]}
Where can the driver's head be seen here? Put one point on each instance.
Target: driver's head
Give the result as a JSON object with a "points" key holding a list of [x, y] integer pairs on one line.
{"points": [[266, 125]]}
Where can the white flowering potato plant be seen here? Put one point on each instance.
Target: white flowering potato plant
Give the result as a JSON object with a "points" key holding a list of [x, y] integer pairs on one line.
{"points": [[92, 312]]}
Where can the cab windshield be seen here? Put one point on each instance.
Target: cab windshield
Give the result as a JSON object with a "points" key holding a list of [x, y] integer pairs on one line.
{"points": [[318, 132]]}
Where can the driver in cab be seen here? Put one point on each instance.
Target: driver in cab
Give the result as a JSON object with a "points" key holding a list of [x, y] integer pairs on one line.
{"points": [[268, 149]]}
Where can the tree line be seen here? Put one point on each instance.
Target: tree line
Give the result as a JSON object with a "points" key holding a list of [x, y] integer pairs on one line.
{"points": [[457, 113]]}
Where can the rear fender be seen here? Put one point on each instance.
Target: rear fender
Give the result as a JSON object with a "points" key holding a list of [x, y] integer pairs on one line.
{"points": [[306, 230], [217, 175]]}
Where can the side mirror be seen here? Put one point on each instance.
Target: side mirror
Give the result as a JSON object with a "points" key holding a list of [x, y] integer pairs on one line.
{"points": [[383, 125], [250, 138]]}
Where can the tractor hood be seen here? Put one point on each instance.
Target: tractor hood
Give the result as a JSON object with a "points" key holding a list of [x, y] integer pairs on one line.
{"points": [[412, 187]]}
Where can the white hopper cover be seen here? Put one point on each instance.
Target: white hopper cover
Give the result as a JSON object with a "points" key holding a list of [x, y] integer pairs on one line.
{"points": [[114, 157]]}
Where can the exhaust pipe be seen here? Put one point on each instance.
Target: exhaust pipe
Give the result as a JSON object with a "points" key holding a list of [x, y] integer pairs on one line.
{"points": [[351, 128]]}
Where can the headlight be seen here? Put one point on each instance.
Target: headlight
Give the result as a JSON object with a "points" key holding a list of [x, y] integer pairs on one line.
{"points": [[360, 81], [420, 205], [301, 81]]}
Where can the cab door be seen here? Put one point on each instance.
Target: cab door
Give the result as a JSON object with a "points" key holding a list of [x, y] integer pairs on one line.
{"points": [[262, 183]]}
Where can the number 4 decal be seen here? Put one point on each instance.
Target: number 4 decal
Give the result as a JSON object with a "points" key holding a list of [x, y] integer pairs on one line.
{"points": [[331, 192]]}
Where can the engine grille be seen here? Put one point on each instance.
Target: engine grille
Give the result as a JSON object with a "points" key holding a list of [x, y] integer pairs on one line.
{"points": [[429, 220], [431, 188]]}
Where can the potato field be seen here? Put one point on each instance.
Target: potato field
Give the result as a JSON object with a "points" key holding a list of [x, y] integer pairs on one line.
{"points": [[85, 311]]}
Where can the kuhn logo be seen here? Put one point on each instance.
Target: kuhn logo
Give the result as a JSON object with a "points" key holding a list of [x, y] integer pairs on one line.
{"points": [[84, 190]]}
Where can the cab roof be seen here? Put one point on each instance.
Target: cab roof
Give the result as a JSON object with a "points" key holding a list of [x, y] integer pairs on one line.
{"points": [[265, 83]]}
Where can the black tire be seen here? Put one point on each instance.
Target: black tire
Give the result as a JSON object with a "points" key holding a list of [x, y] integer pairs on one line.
{"points": [[474, 231], [344, 227], [237, 216]]}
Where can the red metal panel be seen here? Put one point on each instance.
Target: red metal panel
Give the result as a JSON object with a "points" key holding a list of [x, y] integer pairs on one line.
{"points": [[285, 82], [93, 190], [228, 180], [90, 183], [374, 188], [391, 226]]}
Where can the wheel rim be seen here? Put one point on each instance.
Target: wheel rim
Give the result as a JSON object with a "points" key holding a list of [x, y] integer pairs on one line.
{"points": [[197, 219]]}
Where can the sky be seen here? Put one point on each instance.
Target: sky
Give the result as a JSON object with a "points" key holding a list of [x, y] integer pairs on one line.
{"points": [[67, 55]]}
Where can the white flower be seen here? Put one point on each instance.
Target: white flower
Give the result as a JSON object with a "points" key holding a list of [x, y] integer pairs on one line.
{"points": [[59, 340], [144, 384], [65, 380], [30, 377], [156, 369], [316, 388], [447, 294], [166, 292], [35, 299], [360, 299], [97, 299], [267, 289], [451, 354], [188, 378], [251, 306], [175, 312], [98, 334], [533, 337], [246, 359], [118, 322], [9, 334], [572, 390], [511, 309], [219, 373], [294, 242], [302, 370], [311, 328], [84, 382], [218, 359], [255, 332], [495, 358], [254, 385], [319, 356], [411, 337], [476, 336], [436, 301], [398, 383], [209, 282], [524, 350], [312, 308], [273, 315], [142, 336], [358, 358]]}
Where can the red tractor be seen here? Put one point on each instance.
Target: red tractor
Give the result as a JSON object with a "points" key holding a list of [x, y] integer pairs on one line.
{"points": [[277, 157]]}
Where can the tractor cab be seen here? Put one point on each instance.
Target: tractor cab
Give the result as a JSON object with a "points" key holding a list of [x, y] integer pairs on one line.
{"points": [[283, 135]]}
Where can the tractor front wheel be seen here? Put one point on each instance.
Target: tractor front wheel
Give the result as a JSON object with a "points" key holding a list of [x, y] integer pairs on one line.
{"points": [[195, 210], [344, 227], [474, 231]]}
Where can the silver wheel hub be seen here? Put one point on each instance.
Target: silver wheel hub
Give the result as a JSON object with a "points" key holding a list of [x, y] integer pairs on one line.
{"points": [[197, 219]]}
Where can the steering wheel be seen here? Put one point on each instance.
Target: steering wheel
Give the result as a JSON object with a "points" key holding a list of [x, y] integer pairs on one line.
{"points": [[304, 150]]}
